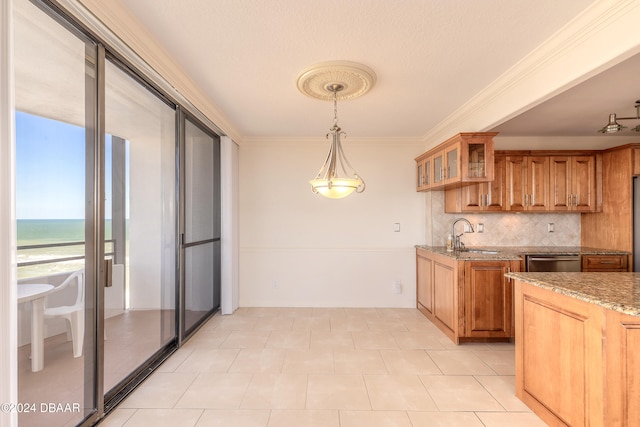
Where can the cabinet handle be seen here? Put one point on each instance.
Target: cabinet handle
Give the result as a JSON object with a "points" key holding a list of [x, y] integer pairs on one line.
{"points": [[576, 200], [508, 271], [608, 262], [526, 200]]}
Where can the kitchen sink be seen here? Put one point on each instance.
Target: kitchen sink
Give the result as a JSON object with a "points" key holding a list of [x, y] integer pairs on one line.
{"points": [[480, 251]]}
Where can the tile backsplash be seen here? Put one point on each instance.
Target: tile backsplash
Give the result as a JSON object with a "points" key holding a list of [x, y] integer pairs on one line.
{"points": [[501, 229]]}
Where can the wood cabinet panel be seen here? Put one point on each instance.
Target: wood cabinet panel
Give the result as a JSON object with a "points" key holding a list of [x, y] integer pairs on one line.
{"points": [[516, 180], [444, 301], [583, 183], [559, 356], [604, 263], [537, 184], [560, 181], [424, 268], [622, 369], [488, 304], [613, 227]]}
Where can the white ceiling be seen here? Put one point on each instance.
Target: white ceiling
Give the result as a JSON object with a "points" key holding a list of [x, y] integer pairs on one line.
{"points": [[430, 57]]}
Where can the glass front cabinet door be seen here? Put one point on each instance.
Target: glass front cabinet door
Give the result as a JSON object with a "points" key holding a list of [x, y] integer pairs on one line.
{"points": [[477, 157]]}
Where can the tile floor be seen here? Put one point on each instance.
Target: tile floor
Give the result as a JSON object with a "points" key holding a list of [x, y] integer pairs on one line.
{"points": [[333, 367]]}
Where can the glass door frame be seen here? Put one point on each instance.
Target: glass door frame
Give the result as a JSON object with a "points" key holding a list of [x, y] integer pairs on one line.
{"points": [[182, 117]]}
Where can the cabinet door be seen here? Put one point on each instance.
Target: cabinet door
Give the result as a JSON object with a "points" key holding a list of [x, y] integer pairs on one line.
{"points": [[472, 197], [438, 172], [560, 182], [425, 283], [444, 306], [452, 160], [516, 180], [583, 183], [622, 379], [488, 299], [419, 176], [538, 183], [495, 191]]}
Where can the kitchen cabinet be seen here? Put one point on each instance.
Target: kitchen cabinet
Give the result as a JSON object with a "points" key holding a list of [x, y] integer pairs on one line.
{"points": [[423, 173], [573, 183], [464, 158], [564, 344], [605, 263], [612, 226], [480, 197], [488, 299], [437, 278], [437, 173], [466, 300], [527, 182], [424, 288]]}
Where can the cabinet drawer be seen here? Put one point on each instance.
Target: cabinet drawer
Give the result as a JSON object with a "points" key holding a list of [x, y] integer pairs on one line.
{"points": [[604, 263]]}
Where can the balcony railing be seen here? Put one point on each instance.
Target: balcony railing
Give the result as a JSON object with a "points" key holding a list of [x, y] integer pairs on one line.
{"points": [[59, 259]]}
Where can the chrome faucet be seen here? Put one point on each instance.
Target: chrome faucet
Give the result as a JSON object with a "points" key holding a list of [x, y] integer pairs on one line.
{"points": [[457, 244]]}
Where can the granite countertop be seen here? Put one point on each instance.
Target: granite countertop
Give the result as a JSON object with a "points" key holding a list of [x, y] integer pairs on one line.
{"points": [[516, 252], [614, 291]]}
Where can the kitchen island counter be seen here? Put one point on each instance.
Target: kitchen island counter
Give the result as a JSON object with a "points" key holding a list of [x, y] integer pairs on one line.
{"points": [[578, 332], [614, 291]]}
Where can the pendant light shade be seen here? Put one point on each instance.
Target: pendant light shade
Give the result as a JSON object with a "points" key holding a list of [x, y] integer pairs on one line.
{"points": [[336, 178], [613, 126]]}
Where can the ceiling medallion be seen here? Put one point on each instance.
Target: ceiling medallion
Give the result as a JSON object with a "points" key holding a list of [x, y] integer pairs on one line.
{"points": [[356, 80]]}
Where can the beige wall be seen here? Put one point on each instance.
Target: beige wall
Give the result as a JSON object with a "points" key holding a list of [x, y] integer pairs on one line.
{"points": [[301, 249]]}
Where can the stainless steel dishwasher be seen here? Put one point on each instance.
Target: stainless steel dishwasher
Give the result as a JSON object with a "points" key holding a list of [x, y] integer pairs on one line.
{"points": [[553, 263]]}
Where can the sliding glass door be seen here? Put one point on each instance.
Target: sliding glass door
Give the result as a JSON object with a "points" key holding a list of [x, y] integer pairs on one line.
{"points": [[55, 98], [118, 219], [200, 249], [139, 223]]}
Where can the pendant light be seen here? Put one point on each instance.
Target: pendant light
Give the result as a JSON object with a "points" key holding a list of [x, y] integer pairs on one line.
{"points": [[335, 80], [613, 126], [336, 178]]}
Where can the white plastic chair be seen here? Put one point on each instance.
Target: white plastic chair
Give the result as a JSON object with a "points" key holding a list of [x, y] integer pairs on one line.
{"points": [[74, 314]]}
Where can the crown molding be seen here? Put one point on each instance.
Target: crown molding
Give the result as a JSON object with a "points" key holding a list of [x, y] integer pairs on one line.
{"points": [[297, 141], [601, 36], [111, 21]]}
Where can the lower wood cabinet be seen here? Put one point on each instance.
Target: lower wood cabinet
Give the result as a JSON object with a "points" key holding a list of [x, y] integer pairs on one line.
{"points": [[467, 300], [605, 263], [577, 363], [488, 299]]}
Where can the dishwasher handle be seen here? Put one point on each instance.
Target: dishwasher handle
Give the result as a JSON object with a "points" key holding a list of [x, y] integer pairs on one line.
{"points": [[555, 258]]}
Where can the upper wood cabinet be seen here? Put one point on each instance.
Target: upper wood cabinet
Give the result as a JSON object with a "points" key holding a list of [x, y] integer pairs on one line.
{"points": [[527, 182], [480, 197], [464, 158], [573, 183]]}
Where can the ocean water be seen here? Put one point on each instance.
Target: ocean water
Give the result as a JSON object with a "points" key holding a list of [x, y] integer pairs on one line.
{"points": [[50, 232]]}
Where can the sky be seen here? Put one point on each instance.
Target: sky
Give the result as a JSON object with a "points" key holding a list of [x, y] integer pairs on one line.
{"points": [[50, 169]]}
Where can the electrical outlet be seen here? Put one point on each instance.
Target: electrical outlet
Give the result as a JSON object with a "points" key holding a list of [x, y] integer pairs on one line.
{"points": [[397, 287], [396, 227], [480, 227], [550, 227]]}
